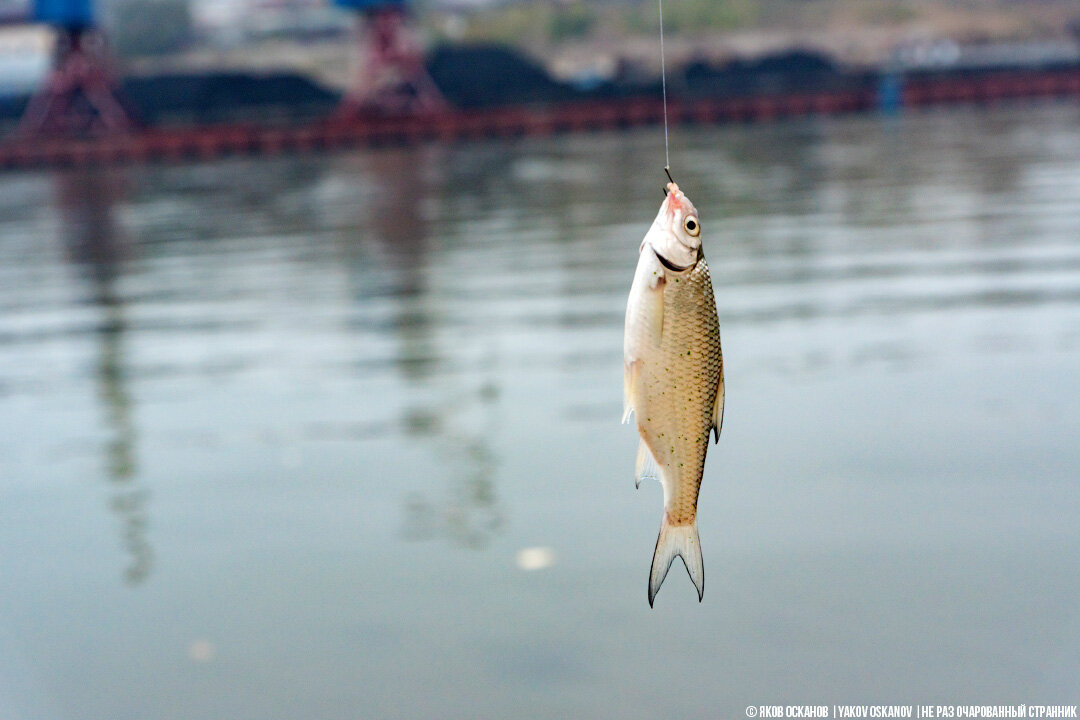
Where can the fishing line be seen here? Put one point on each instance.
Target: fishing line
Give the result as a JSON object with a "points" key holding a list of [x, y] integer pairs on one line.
{"points": [[663, 84]]}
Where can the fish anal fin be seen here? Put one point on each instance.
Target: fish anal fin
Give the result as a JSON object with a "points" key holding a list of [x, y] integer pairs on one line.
{"points": [[718, 409], [677, 541], [646, 467]]}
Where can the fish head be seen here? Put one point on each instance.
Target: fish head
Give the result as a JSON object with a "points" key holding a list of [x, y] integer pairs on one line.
{"points": [[675, 235]]}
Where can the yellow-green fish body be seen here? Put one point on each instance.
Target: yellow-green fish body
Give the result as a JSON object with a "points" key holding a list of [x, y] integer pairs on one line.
{"points": [[674, 377]]}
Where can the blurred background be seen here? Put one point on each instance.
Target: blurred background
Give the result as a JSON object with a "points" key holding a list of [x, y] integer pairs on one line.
{"points": [[333, 430]]}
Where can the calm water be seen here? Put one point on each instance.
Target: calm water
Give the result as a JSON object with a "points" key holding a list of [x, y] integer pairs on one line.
{"points": [[273, 432]]}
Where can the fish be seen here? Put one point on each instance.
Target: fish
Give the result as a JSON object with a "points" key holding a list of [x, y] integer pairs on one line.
{"points": [[673, 377]]}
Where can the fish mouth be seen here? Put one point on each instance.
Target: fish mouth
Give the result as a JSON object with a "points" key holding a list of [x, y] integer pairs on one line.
{"points": [[674, 197], [670, 265]]}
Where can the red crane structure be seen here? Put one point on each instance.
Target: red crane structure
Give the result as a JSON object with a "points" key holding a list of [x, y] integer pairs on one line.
{"points": [[391, 77], [80, 96]]}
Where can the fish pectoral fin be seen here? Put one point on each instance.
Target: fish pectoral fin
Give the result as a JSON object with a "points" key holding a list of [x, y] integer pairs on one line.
{"points": [[630, 371], [654, 316], [677, 541], [718, 409], [645, 310], [646, 467]]}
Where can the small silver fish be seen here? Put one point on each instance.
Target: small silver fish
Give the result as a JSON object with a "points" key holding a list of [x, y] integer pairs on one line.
{"points": [[673, 380]]}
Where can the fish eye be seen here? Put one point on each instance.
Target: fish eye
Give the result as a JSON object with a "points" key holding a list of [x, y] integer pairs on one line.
{"points": [[692, 226]]}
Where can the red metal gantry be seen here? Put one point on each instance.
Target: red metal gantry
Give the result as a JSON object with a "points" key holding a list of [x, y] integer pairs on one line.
{"points": [[391, 77], [80, 97]]}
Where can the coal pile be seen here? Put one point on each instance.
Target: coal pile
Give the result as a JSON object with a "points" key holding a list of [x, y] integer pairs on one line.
{"points": [[793, 72], [477, 76], [227, 97]]}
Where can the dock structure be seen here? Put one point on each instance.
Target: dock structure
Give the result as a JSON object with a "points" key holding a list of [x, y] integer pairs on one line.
{"points": [[450, 125]]}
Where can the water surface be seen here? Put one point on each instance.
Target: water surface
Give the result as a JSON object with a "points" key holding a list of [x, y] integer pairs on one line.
{"points": [[274, 431]]}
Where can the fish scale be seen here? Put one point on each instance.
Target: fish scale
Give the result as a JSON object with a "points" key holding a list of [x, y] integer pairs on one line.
{"points": [[681, 386]]}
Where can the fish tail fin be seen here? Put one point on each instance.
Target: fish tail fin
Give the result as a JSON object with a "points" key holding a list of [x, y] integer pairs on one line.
{"points": [[677, 541]]}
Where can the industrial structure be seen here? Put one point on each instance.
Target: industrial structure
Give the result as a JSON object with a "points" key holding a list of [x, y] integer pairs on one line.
{"points": [[80, 96], [390, 75]]}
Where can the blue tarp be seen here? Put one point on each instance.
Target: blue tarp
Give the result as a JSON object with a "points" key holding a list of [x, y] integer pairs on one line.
{"points": [[67, 13], [369, 4]]}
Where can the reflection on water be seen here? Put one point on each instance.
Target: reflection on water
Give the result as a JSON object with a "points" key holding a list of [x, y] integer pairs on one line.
{"points": [[357, 418], [96, 246], [467, 512]]}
